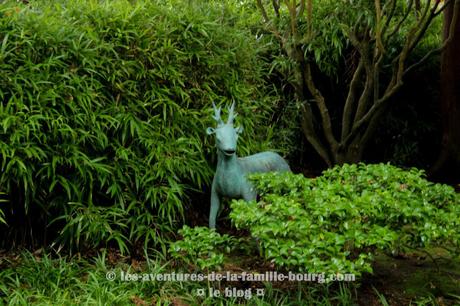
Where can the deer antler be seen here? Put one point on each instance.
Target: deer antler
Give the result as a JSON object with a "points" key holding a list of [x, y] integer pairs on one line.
{"points": [[217, 114], [231, 114]]}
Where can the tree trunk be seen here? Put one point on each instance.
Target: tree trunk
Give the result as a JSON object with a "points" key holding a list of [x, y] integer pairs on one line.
{"points": [[448, 162]]}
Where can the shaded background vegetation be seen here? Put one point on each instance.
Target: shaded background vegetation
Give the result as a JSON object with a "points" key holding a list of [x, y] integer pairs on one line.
{"points": [[333, 58]]}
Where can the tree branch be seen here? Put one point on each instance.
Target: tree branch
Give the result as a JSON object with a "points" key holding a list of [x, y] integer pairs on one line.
{"points": [[301, 9], [389, 17], [444, 44], [324, 112], [423, 24], [310, 16], [378, 29], [263, 11], [373, 124], [267, 20], [362, 48], [360, 124], [446, 3], [351, 99], [293, 15], [309, 132], [276, 7], [398, 26], [364, 99]]}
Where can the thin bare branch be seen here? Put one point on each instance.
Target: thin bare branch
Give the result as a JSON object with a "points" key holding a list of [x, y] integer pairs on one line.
{"points": [[363, 49], [276, 7], [351, 100], [292, 14], [301, 8], [269, 24], [389, 16], [423, 25], [399, 61], [379, 50], [379, 25], [373, 124], [262, 10], [441, 9], [324, 112], [444, 44], [360, 124], [363, 102], [310, 18], [413, 38], [309, 132], [401, 22]]}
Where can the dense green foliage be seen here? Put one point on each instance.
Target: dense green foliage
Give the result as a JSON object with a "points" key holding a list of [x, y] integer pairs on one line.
{"points": [[336, 222], [202, 247], [103, 110]]}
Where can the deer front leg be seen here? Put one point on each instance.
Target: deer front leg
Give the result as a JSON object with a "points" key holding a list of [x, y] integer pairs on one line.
{"points": [[215, 205], [249, 193]]}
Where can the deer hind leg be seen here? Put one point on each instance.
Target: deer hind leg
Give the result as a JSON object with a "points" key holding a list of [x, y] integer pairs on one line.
{"points": [[250, 194]]}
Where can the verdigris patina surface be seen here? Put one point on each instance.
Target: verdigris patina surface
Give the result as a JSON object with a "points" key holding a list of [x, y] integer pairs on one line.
{"points": [[230, 178]]}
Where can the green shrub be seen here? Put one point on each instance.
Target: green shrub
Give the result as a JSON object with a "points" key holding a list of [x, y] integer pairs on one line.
{"points": [[202, 247], [103, 110], [336, 222]]}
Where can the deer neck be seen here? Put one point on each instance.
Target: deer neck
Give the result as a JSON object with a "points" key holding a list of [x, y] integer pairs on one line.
{"points": [[227, 163]]}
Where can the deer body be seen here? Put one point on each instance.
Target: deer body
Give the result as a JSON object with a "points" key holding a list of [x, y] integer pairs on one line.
{"points": [[230, 179]]}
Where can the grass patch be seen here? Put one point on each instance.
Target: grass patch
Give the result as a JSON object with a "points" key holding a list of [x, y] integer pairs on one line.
{"points": [[41, 279]]}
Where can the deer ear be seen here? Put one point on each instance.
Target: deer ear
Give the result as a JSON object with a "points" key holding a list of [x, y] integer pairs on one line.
{"points": [[239, 130], [210, 131]]}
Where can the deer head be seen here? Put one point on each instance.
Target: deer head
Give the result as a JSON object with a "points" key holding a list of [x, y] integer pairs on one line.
{"points": [[226, 134]]}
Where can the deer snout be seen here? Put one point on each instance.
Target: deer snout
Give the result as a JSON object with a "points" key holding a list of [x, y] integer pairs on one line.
{"points": [[228, 151]]}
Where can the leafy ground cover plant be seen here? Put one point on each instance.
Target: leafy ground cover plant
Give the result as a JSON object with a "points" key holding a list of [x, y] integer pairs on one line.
{"points": [[336, 222], [202, 247]]}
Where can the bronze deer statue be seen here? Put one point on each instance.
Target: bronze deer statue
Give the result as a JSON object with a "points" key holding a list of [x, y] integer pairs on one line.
{"points": [[230, 179]]}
